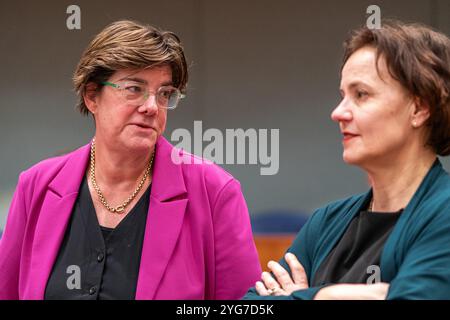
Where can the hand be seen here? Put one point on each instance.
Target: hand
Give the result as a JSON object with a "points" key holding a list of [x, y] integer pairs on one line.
{"points": [[377, 291], [283, 284]]}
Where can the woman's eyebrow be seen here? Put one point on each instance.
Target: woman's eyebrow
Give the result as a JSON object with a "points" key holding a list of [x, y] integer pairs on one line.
{"points": [[352, 85], [355, 84], [139, 80]]}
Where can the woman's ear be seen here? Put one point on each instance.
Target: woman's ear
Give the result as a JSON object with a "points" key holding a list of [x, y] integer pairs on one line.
{"points": [[90, 96], [421, 113]]}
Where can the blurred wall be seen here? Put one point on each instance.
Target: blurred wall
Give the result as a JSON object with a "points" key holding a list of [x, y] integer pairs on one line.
{"points": [[254, 64]]}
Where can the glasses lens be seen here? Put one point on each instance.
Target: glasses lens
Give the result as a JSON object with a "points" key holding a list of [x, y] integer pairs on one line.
{"points": [[134, 93], [168, 97]]}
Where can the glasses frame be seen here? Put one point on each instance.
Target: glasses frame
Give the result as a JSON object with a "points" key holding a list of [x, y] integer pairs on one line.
{"points": [[148, 93]]}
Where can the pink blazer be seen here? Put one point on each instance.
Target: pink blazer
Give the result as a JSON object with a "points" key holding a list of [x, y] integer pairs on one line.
{"points": [[198, 242]]}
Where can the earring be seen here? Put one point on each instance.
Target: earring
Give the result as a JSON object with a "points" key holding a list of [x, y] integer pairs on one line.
{"points": [[414, 124]]}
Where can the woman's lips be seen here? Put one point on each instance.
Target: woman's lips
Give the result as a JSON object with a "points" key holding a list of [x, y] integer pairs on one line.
{"points": [[144, 126], [141, 126], [349, 136]]}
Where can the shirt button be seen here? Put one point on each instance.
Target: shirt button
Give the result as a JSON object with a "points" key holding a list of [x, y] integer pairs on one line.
{"points": [[100, 257], [92, 290]]}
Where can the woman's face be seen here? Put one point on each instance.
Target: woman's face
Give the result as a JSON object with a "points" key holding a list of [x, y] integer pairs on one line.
{"points": [[375, 114], [126, 126]]}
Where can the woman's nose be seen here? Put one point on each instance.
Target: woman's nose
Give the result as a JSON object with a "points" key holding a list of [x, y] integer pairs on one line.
{"points": [[150, 105], [341, 112]]}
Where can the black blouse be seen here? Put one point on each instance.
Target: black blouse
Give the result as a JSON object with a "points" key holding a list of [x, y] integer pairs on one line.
{"points": [[96, 262], [356, 257]]}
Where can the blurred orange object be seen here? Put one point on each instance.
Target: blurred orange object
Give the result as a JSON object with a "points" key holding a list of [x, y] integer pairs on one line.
{"points": [[272, 247]]}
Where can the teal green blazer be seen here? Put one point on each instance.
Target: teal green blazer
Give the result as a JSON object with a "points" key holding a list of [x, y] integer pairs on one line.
{"points": [[416, 257]]}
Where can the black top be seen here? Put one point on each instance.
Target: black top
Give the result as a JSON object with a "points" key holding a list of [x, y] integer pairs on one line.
{"points": [[96, 262], [356, 257]]}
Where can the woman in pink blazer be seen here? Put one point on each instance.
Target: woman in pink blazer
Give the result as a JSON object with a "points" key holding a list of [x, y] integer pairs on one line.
{"points": [[128, 216]]}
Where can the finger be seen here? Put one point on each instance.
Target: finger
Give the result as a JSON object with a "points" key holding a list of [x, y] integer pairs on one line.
{"points": [[381, 290], [281, 275], [269, 281], [261, 289], [298, 272]]}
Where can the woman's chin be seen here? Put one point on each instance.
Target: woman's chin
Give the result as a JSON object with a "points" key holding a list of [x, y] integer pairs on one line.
{"points": [[351, 158], [141, 144]]}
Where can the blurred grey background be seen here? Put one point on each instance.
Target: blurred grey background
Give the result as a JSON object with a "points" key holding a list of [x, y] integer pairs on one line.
{"points": [[254, 64]]}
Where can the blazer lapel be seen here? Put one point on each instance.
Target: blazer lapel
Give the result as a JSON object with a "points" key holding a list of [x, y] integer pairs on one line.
{"points": [[392, 250], [164, 221], [53, 219]]}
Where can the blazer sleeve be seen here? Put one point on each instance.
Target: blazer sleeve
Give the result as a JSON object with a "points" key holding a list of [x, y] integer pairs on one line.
{"points": [[303, 248], [236, 259], [424, 273], [11, 245]]}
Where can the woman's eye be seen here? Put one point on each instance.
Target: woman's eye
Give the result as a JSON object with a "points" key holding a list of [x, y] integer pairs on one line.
{"points": [[134, 89], [166, 94], [361, 94]]}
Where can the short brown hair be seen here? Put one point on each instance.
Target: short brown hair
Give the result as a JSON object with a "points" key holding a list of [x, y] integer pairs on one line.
{"points": [[419, 58], [128, 44]]}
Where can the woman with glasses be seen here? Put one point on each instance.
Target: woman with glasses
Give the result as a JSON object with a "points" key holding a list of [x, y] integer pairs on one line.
{"points": [[392, 242], [122, 218]]}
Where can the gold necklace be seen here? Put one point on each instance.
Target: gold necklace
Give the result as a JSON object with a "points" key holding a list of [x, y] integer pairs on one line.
{"points": [[371, 205], [121, 208]]}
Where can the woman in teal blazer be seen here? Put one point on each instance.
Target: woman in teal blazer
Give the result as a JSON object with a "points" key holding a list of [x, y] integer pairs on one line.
{"points": [[392, 242]]}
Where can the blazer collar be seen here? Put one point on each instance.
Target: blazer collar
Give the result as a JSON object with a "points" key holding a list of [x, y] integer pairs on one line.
{"points": [[168, 203], [68, 180], [168, 181], [413, 212]]}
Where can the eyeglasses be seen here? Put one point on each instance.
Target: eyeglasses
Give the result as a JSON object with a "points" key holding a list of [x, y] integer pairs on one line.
{"points": [[135, 94]]}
